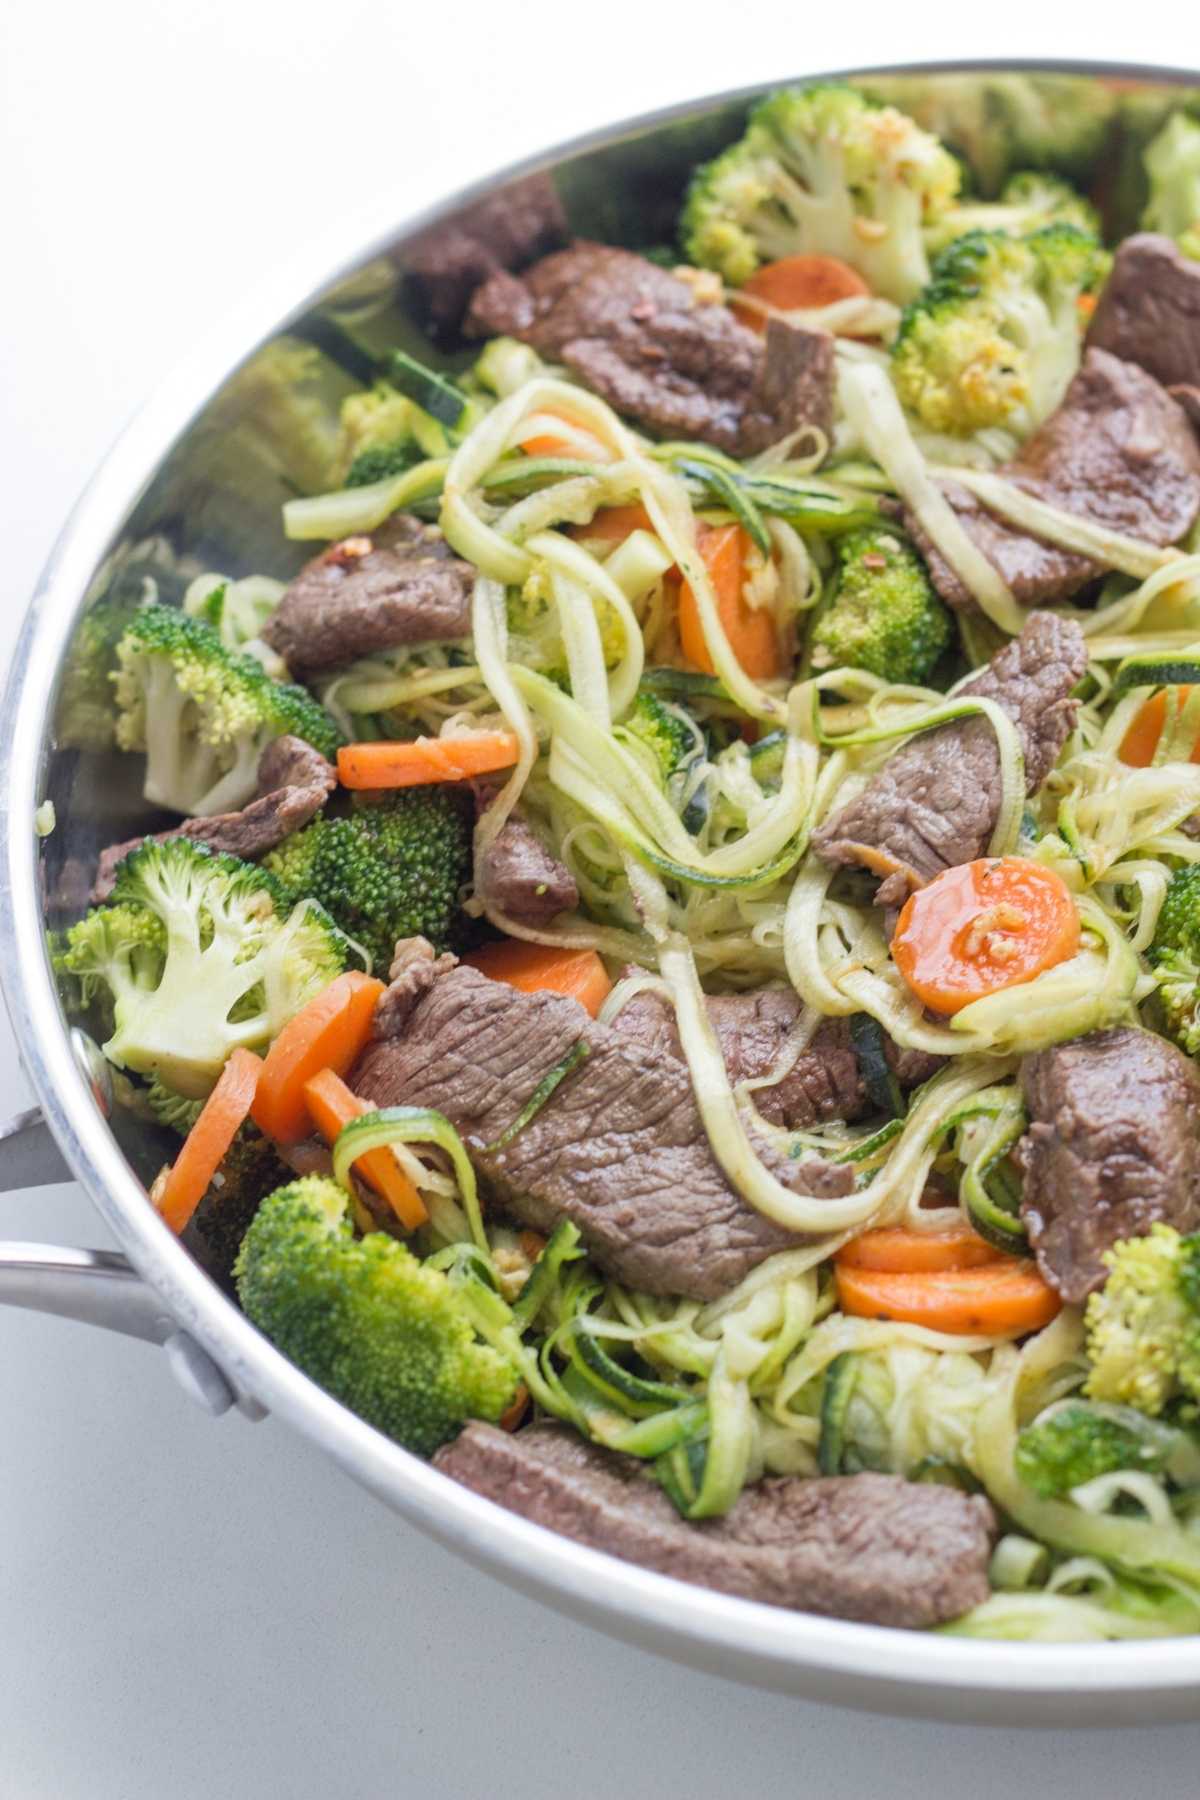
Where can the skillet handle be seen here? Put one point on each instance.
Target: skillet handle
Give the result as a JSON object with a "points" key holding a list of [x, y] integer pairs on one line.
{"points": [[96, 1287]]}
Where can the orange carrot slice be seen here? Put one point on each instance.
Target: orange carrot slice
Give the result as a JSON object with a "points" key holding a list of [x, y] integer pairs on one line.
{"points": [[425, 760], [536, 968], [982, 927], [331, 1105], [752, 632], [328, 1033], [997, 1297], [207, 1143]]}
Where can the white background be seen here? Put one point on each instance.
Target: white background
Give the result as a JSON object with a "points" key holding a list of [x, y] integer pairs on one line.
{"points": [[192, 1609]]}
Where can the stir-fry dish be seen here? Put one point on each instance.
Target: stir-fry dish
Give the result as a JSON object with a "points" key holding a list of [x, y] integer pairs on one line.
{"points": [[673, 950]]}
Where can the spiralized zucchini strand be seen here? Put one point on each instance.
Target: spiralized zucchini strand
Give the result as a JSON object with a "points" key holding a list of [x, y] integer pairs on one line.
{"points": [[489, 626], [1112, 549], [876, 415], [662, 493]]}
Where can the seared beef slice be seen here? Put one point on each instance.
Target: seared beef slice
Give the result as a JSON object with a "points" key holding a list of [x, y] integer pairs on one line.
{"points": [[1113, 1147], [619, 1149], [1149, 312], [641, 338], [294, 781], [402, 585], [521, 878], [871, 1547], [1119, 451], [934, 802], [504, 231]]}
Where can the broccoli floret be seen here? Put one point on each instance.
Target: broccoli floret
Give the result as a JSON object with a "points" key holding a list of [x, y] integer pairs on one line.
{"points": [[1174, 955], [883, 614], [1029, 200], [667, 731], [821, 169], [994, 338], [237, 612], [250, 1170], [199, 953], [1001, 122], [203, 714], [384, 433], [1143, 1327], [1172, 164], [390, 870], [174, 1110], [1079, 1442], [387, 1335]]}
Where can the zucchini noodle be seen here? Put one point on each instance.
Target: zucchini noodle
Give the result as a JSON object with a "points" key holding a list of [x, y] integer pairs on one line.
{"points": [[886, 1193], [632, 474], [1156, 1548], [876, 416], [489, 628], [1112, 549]]}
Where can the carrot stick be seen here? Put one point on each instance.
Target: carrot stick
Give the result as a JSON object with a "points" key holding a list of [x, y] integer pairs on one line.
{"points": [[328, 1033], [1003, 1296], [208, 1141], [893, 1249], [1141, 739], [751, 631], [536, 968], [582, 447], [424, 760], [982, 927], [799, 283], [331, 1104], [613, 524]]}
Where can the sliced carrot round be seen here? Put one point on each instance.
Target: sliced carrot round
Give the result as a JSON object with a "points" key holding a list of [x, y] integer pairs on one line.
{"points": [[537, 968], [799, 283], [994, 1298], [329, 1033], [207, 1143], [897, 1250], [752, 632], [424, 760], [982, 927]]}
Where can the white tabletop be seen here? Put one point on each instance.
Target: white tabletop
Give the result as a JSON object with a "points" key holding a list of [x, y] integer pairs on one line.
{"points": [[191, 1609]]}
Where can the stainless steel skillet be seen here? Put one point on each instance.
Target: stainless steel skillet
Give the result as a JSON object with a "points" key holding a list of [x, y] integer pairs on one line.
{"points": [[164, 480]]}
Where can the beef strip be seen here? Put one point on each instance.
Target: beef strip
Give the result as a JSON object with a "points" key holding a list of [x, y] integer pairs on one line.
{"points": [[294, 781], [520, 877], [1113, 1147], [1149, 312], [824, 1083], [1119, 451], [504, 231], [642, 339], [401, 585], [934, 802], [871, 1547], [620, 1147]]}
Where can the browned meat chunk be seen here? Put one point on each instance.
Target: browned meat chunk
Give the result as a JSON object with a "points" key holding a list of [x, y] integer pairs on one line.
{"points": [[1113, 1148], [873, 1547], [619, 1148], [504, 231], [294, 781], [824, 1083], [402, 585], [934, 802], [1119, 452], [1149, 312], [521, 878], [641, 338]]}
